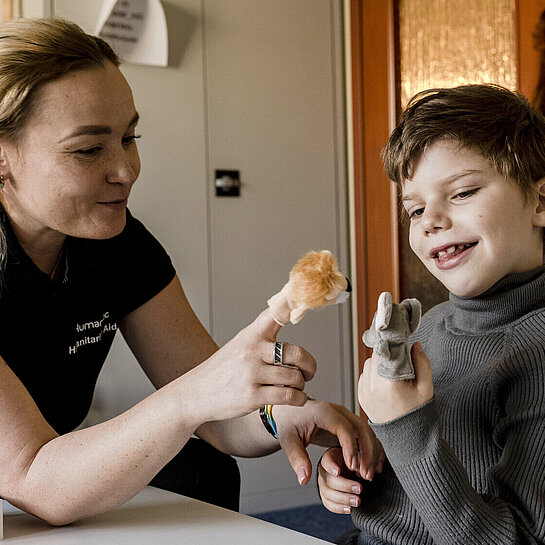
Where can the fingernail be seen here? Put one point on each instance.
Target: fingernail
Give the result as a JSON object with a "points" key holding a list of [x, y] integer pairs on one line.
{"points": [[353, 502], [354, 463], [335, 471], [347, 510], [356, 489], [369, 475], [302, 476]]}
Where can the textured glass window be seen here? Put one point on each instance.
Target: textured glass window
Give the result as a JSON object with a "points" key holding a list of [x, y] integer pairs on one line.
{"points": [[444, 43]]}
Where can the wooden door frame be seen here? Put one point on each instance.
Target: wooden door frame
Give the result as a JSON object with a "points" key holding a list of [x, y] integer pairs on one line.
{"points": [[373, 98], [527, 13]]}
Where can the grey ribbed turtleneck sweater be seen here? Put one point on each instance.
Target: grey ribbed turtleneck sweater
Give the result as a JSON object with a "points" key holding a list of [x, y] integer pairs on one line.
{"points": [[469, 466]]}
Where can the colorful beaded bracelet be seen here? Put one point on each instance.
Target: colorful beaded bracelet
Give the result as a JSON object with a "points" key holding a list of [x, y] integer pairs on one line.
{"points": [[268, 420]]}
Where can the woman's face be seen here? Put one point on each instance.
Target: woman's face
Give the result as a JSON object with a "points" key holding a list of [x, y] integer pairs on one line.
{"points": [[72, 168]]}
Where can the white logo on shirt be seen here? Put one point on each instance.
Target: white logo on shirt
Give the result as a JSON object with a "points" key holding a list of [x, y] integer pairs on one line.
{"points": [[91, 332]]}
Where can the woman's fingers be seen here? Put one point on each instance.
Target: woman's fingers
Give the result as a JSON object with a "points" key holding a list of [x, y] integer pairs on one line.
{"points": [[264, 326], [292, 356], [243, 376], [281, 376], [371, 454], [282, 395], [265, 330]]}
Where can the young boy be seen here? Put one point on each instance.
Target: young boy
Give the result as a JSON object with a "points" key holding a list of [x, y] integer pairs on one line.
{"points": [[466, 453]]}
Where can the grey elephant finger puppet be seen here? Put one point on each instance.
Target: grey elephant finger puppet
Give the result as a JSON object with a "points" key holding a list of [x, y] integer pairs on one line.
{"points": [[314, 281], [389, 334]]}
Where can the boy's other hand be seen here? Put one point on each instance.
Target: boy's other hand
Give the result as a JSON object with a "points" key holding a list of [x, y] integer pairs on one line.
{"points": [[384, 400], [339, 487]]}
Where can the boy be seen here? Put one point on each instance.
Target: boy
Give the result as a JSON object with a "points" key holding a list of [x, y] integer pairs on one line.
{"points": [[466, 453]]}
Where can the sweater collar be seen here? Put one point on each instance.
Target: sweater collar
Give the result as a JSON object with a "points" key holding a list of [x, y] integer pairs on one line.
{"points": [[506, 301]]}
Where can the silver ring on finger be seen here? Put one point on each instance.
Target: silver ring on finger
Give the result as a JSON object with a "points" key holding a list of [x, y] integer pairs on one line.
{"points": [[278, 352]]}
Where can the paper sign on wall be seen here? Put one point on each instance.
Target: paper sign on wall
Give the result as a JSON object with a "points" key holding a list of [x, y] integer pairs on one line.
{"points": [[136, 30]]}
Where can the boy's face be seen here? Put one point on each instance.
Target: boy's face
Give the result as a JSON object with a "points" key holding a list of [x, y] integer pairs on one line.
{"points": [[468, 224]]}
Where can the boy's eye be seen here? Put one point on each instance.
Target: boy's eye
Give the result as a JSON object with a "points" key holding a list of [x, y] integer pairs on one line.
{"points": [[466, 193], [415, 213]]}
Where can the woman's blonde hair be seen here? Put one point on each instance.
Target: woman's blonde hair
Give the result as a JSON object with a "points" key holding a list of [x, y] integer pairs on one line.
{"points": [[35, 51]]}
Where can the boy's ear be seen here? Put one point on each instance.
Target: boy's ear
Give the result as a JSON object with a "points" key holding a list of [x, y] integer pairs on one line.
{"points": [[539, 216]]}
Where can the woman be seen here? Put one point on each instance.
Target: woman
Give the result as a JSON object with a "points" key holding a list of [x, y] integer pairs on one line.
{"points": [[77, 266]]}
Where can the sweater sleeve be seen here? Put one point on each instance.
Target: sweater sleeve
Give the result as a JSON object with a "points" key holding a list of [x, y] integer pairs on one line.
{"points": [[512, 511]]}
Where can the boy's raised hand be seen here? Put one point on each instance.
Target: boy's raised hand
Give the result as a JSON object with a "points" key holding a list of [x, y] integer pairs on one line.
{"points": [[384, 400]]}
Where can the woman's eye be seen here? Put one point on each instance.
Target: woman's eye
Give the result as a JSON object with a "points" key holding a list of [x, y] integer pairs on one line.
{"points": [[128, 140], [465, 194], [89, 152]]}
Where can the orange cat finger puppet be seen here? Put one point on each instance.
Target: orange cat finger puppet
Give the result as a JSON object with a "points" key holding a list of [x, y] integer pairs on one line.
{"points": [[314, 281]]}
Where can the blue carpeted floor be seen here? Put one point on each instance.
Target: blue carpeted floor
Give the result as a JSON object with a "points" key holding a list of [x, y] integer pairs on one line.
{"points": [[313, 520]]}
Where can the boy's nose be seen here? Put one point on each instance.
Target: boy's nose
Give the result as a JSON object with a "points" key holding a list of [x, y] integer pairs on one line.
{"points": [[433, 220]]}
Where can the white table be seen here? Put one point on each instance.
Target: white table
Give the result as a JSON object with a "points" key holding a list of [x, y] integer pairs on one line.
{"points": [[153, 517]]}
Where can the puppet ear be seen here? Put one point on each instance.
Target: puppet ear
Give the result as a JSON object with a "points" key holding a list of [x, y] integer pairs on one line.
{"points": [[384, 310], [414, 309]]}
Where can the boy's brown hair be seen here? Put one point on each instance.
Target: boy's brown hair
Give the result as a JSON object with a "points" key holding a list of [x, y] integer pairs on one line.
{"points": [[491, 120]]}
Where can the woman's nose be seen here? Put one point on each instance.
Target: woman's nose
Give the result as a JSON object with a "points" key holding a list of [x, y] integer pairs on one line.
{"points": [[124, 168]]}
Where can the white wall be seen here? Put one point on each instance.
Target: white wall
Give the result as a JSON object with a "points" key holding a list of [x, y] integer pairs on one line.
{"points": [[253, 85]]}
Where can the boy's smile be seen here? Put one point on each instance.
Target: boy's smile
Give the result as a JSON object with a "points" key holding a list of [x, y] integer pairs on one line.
{"points": [[469, 225], [450, 255]]}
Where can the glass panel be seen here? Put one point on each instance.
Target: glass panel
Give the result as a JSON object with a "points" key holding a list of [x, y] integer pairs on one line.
{"points": [[444, 43]]}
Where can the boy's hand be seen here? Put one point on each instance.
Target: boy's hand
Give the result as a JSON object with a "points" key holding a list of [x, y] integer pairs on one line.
{"points": [[384, 400], [339, 487]]}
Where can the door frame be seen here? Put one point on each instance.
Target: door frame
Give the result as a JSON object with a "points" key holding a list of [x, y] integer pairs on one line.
{"points": [[371, 89]]}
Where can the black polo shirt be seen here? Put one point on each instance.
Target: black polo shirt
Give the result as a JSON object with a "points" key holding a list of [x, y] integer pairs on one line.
{"points": [[55, 336]]}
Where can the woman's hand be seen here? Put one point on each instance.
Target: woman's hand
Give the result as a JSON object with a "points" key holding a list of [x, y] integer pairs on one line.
{"points": [[338, 486], [327, 424], [239, 378], [384, 400]]}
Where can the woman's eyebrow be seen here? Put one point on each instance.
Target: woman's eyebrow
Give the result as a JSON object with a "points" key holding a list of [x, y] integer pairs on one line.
{"points": [[134, 120], [98, 129]]}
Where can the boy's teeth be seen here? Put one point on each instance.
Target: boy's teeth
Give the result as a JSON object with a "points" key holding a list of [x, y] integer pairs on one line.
{"points": [[454, 248], [448, 250]]}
